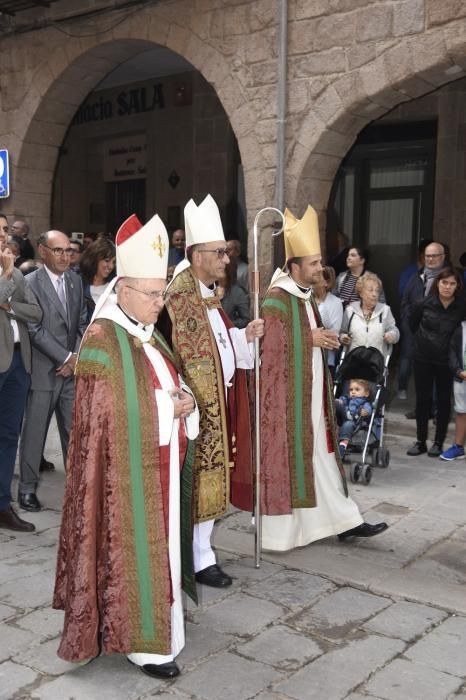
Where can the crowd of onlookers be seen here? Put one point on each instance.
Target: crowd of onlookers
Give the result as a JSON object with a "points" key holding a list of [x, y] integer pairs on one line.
{"points": [[433, 335], [50, 297]]}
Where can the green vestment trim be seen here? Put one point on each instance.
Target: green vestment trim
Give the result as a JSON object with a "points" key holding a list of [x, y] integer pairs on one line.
{"points": [[95, 355], [277, 304], [137, 486], [298, 398]]}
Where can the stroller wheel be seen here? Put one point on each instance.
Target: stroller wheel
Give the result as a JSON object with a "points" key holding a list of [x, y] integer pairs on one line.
{"points": [[381, 457], [366, 473], [355, 472]]}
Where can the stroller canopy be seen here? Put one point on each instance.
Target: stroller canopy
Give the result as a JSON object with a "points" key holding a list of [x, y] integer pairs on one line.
{"points": [[363, 363]]}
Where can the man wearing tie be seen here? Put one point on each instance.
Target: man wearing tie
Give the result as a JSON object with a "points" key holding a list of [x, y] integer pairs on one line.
{"points": [[55, 343]]}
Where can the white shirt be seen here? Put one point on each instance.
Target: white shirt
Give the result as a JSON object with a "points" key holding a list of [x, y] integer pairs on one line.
{"points": [[331, 313], [54, 280], [97, 291]]}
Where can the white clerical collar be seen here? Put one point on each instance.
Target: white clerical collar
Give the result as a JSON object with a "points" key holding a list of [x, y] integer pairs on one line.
{"points": [[111, 311], [283, 281], [206, 291]]}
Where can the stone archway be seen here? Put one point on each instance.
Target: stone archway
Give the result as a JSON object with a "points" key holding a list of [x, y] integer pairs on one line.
{"points": [[411, 68], [39, 114]]}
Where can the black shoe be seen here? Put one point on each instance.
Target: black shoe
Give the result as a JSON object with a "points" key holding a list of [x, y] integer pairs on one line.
{"points": [[46, 466], [29, 501], [214, 576], [410, 415], [435, 450], [363, 530], [10, 520], [166, 671], [417, 449]]}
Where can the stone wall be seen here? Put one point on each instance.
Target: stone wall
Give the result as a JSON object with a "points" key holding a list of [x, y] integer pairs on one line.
{"points": [[350, 61], [193, 140]]}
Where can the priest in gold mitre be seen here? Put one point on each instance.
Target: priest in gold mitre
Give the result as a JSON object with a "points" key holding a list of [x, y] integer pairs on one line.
{"points": [[125, 547], [213, 356], [304, 495]]}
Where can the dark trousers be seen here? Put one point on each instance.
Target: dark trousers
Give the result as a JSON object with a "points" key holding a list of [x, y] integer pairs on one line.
{"points": [[426, 374], [14, 387], [404, 372]]}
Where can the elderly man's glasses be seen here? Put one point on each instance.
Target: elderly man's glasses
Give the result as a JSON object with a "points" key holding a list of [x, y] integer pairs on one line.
{"points": [[434, 255], [151, 295], [220, 252], [59, 251]]}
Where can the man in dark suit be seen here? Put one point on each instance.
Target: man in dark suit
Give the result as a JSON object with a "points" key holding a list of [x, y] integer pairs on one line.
{"points": [[17, 307], [55, 343], [21, 229]]}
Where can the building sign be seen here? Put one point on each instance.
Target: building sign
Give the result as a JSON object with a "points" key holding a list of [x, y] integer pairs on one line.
{"points": [[4, 174], [126, 103], [125, 158]]}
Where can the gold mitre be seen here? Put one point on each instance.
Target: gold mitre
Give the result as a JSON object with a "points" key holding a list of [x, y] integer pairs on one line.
{"points": [[301, 235]]}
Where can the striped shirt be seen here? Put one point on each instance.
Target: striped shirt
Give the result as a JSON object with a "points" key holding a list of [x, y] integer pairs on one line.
{"points": [[347, 291]]}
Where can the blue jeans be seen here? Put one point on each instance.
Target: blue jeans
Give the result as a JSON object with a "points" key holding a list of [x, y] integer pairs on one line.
{"points": [[14, 387], [346, 430]]}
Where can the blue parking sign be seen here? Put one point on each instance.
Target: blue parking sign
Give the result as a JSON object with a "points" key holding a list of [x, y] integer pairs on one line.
{"points": [[4, 174]]}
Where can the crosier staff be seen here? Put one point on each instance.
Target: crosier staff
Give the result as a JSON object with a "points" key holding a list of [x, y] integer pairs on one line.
{"points": [[255, 284]]}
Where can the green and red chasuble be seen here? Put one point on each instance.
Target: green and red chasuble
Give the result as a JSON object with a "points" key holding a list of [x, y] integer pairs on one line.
{"points": [[113, 574], [286, 400]]}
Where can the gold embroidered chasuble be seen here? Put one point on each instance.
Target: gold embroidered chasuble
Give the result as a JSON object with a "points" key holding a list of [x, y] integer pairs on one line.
{"points": [[196, 351]]}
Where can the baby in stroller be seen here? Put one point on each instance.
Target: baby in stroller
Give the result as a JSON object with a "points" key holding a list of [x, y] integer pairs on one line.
{"points": [[353, 410], [360, 409]]}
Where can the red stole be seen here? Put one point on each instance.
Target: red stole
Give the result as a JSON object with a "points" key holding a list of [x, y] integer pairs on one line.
{"points": [[239, 435]]}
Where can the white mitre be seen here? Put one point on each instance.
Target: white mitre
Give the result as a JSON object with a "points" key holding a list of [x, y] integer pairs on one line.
{"points": [[142, 251], [202, 223]]}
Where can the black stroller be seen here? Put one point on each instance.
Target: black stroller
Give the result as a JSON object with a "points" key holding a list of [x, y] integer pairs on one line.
{"points": [[369, 364]]}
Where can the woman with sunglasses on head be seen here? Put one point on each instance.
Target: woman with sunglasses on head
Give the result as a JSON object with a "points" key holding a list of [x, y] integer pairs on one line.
{"points": [[97, 269], [433, 320]]}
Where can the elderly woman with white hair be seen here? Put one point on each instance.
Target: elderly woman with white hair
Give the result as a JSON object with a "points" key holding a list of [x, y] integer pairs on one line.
{"points": [[368, 322]]}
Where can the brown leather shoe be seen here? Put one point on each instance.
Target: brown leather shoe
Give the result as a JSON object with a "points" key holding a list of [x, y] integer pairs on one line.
{"points": [[10, 520]]}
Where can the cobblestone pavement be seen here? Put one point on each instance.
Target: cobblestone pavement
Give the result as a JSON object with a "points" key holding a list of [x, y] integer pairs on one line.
{"points": [[378, 619]]}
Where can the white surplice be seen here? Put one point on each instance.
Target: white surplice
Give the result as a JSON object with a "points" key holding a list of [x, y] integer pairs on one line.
{"points": [[168, 435], [334, 512]]}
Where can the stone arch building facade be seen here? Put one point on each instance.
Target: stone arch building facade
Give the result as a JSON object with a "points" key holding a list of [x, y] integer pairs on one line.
{"points": [[349, 62]]}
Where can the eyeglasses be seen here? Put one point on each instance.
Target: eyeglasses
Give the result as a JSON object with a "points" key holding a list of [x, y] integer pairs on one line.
{"points": [[219, 251], [152, 295], [434, 255], [59, 251]]}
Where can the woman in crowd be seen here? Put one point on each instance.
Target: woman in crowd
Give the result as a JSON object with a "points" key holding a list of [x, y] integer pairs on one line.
{"points": [[97, 264], [345, 287], [433, 320], [235, 301], [330, 308], [368, 322]]}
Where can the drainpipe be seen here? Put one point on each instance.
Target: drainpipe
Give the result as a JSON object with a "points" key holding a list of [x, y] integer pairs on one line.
{"points": [[281, 102]]}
